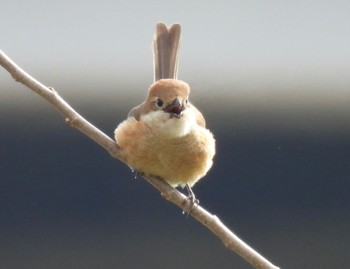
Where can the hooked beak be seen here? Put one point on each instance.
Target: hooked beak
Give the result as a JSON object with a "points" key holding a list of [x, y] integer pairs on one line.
{"points": [[175, 108]]}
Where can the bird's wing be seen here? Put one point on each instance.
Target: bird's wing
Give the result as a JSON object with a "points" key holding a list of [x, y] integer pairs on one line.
{"points": [[199, 117], [136, 112]]}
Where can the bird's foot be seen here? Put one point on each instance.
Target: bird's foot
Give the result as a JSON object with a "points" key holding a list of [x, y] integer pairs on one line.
{"points": [[137, 173], [194, 202]]}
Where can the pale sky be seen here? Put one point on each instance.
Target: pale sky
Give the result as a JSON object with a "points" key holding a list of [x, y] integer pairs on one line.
{"points": [[279, 54], [219, 37]]}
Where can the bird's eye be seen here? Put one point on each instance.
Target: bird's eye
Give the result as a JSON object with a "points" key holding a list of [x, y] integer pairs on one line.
{"points": [[159, 102]]}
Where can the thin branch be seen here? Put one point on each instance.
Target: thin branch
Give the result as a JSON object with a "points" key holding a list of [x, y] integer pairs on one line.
{"points": [[212, 222]]}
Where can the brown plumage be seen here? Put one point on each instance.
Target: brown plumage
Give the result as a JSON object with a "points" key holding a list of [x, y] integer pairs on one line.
{"points": [[165, 136]]}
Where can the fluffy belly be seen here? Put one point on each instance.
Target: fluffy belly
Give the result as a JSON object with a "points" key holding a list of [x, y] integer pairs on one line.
{"points": [[179, 161]]}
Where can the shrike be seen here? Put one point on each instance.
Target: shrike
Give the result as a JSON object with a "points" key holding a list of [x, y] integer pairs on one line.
{"points": [[165, 136]]}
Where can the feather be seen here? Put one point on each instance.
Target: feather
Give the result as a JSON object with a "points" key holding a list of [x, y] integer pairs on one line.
{"points": [[166, 48]]}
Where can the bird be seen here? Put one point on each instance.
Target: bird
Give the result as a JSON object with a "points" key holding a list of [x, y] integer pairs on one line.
{"points": [[166, 135]]}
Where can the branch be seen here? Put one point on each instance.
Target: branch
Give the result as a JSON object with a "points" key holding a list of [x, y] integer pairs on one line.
{"points": [[212, 222]]}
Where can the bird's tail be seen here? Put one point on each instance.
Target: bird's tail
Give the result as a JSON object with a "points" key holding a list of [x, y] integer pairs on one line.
{"points": [[166, 48]]}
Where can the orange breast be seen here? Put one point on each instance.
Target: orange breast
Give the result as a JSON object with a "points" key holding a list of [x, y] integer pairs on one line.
{"points": [[179, 161]]}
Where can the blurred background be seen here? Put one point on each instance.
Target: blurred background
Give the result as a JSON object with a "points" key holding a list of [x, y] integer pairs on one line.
{"points": [[272, 79]]}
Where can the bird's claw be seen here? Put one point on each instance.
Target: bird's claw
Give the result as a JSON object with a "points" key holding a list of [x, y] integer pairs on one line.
{"points": [[192, 198], [137, 173]]}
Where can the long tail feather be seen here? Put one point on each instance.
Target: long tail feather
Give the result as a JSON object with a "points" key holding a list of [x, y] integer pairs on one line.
{"points": [[166, 48]]}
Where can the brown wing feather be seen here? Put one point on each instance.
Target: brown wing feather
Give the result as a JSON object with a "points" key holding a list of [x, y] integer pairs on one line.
{"points": [[136, 112], [199, 117]]}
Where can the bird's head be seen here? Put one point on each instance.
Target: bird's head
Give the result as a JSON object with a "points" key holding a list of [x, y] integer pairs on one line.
{"points": [[167, 107]]}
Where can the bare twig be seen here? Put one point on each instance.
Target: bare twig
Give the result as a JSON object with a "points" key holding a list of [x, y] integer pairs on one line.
{"points": [[229, 239]]}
